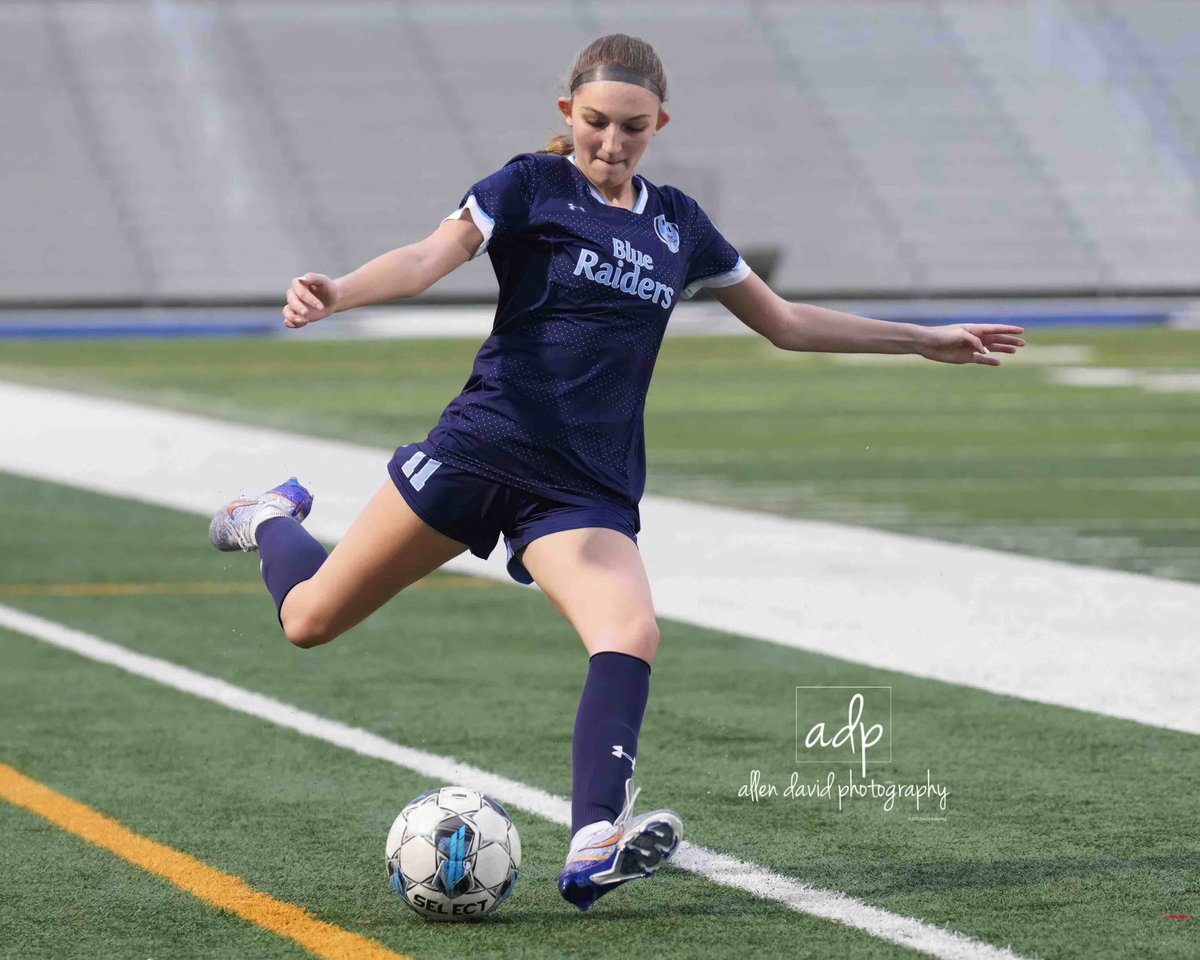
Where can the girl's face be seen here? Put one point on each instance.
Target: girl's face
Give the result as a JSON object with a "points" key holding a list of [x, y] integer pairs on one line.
{"points": [[612, 124]]}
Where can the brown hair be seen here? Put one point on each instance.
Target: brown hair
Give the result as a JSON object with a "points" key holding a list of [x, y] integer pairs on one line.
{"points": [[616, 49]]}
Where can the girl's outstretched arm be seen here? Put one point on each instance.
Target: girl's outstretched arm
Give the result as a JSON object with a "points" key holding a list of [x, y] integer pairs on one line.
{"points": [[403, 272], [802, 326]]}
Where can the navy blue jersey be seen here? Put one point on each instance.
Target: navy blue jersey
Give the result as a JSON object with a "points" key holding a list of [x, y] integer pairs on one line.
{"points": [[555, 400]]}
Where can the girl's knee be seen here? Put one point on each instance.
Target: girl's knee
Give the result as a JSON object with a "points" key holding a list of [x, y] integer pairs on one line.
{"points": [[637, 639], [303, 624], [305, 633]]}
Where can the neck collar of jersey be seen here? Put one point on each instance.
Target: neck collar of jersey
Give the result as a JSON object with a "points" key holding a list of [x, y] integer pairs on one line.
{"points": [[639, 205]]}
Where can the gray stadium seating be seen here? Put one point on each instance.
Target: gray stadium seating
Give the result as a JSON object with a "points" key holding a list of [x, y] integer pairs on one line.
{"points": [[178, 150]]}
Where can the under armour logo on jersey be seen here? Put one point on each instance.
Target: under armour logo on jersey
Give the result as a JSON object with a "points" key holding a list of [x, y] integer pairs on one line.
{"points": [[573, 206], [619, 751], [668, 233]]}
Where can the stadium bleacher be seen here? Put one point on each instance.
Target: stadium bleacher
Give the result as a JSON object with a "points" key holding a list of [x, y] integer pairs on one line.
{"points": [[209, 151]]}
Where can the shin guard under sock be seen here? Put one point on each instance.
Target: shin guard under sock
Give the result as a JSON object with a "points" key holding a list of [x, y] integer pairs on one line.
{"points": [[606, 735], [290, 555]]}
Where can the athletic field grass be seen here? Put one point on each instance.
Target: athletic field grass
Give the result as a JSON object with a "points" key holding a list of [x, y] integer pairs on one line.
{"points": [[1066, 834], [1000, 457]]}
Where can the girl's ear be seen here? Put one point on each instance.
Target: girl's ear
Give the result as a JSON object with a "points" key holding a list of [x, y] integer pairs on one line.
{"points": [[663, 119], [564, 106]]}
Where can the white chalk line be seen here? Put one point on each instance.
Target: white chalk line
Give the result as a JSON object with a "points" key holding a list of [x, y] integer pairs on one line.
{"points": [[1084, 637], [1167, 380], [716, 867]]}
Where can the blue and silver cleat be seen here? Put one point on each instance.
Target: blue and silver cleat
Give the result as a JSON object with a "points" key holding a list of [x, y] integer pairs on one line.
{"points": [[606, 855], [233, 526]]}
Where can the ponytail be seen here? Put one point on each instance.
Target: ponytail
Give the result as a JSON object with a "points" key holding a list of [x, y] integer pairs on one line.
{"points": [[561, 144]]}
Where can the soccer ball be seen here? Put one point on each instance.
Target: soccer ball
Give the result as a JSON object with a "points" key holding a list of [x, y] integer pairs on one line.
{"points": [[453, 854]]}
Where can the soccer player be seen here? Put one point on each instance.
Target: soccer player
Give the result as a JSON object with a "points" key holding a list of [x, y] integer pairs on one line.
{"points": [[544, 445]]}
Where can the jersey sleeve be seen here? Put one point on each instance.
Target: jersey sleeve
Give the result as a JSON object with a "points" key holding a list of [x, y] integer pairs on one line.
{"points": [[499, 204], [714, 261]]}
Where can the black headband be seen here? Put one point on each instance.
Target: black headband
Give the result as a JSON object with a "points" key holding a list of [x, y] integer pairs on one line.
{"points": [[613, 71]]}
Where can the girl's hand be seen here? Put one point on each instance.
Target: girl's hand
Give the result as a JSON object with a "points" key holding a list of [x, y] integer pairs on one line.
{"points": [[310, 298], [971, 342]]}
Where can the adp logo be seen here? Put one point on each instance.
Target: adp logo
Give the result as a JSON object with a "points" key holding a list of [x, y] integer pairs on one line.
{"points": [[844, 725]]}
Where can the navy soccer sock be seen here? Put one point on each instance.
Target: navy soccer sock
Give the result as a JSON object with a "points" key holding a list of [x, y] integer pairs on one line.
{"points": [[290, 555], [606, 735]]}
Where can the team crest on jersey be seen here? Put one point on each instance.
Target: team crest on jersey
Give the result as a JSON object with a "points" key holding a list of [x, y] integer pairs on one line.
{"points": [[668, 233]]}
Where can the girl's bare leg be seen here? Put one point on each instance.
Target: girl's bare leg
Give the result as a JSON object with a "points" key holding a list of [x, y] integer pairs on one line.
{"points": [[388, 548], [596, 580]]}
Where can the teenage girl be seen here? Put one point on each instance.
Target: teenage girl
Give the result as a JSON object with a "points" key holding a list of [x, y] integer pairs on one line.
{"points": [[544, 445]]}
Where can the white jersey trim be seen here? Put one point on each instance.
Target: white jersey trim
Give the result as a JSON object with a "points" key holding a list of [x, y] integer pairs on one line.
{"points": [[727, 279], [485, 223], [639, 205]]}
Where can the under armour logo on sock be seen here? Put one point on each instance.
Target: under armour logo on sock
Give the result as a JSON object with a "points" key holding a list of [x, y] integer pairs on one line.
{"points": [[619, 751]]}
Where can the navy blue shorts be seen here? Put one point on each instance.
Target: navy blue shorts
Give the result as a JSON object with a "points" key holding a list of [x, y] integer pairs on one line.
{"points": [[475, 510]]}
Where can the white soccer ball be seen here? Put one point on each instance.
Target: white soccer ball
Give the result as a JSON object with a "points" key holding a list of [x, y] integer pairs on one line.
{"points": [[453, 854]]}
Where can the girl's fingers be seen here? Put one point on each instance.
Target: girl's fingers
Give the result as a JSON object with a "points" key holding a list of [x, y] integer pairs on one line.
{"points": [[304, 292], [296, 292], [295, 303], [998, 328], [311, 298], [303, 304], [1015, 341]]}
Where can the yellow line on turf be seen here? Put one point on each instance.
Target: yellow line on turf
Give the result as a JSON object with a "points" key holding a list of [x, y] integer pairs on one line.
{"points": [[221, 890], [126, 589]]}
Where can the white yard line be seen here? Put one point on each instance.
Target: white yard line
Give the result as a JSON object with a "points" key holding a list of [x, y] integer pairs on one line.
{"points": [[473, 322], [1156, 381], [719, 868], [1114, 643]]}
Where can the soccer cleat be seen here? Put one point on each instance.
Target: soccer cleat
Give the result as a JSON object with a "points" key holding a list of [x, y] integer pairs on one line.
{"points": [[606, 855], [233, 526]]}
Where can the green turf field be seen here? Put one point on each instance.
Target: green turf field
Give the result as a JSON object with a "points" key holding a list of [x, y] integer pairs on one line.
{"points": [[1066, 835], [1004, 457]]}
